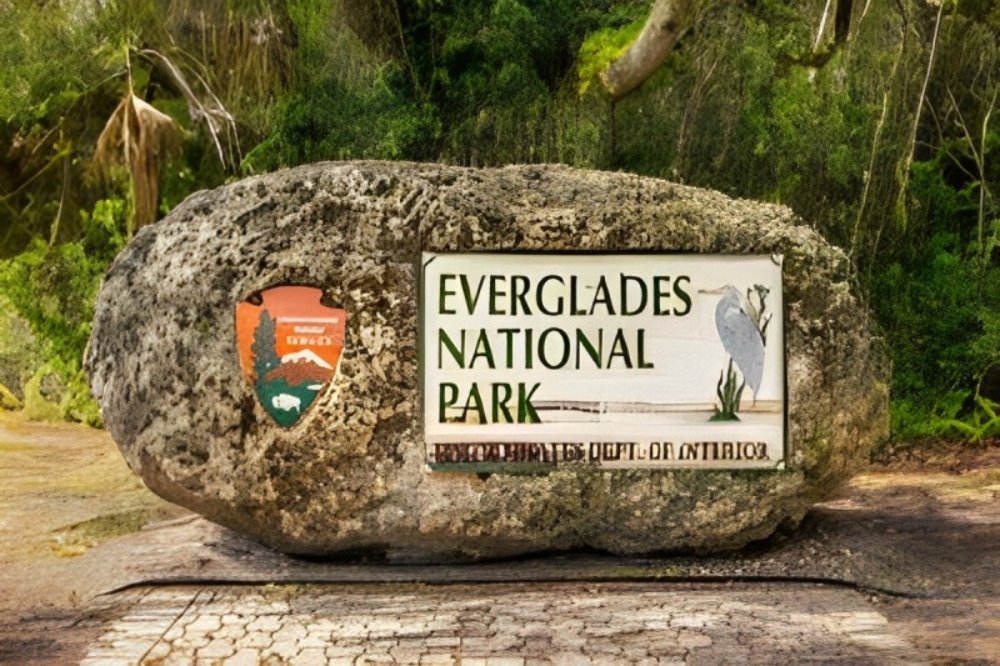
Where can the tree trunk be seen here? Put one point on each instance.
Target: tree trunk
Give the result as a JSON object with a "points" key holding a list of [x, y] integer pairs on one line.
{"points": [[842, 21], [904, 172], [666, 23]]}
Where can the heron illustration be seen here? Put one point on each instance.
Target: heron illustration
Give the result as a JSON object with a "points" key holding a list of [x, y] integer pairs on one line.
{"points": [[742, 328]]}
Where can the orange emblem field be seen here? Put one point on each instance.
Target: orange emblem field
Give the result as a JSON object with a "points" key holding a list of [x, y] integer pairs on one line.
{"points": [[289, 348]]}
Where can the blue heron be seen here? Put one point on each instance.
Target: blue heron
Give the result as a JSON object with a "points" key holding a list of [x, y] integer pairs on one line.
{"points": [[740, 336]]}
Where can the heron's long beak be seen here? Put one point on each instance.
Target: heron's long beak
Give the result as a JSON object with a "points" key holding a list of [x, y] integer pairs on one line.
{"points": [[712, 291]]}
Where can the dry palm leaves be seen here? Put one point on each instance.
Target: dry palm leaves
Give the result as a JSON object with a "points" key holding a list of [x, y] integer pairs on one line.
{"points": [[139, 138]]}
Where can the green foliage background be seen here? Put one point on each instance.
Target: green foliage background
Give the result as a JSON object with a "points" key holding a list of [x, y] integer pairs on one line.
{"points": [[844, 130]]}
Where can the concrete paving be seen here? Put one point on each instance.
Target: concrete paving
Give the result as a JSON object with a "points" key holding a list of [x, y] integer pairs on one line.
{"points": [[639, 623]]}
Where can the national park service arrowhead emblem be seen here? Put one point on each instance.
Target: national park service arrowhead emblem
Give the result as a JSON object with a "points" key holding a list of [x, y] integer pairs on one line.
{"points": [[290, 345]]}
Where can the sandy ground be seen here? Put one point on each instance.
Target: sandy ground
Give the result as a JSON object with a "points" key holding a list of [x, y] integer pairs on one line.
{"points": [[64, 489], [916, 540]]}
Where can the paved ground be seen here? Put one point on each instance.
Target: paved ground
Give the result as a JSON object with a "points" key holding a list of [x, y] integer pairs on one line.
{"points": [[504, 624], [94, 568]]}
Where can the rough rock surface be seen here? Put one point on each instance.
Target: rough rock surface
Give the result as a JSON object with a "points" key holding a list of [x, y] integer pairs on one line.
{"points": [[350, 476]]}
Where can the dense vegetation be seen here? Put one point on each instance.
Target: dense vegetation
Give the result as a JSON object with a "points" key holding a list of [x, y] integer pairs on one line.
{"points": [[880, 130]]}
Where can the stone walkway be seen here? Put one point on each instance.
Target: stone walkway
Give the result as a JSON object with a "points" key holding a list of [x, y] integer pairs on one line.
{"points": [[565, 623]]}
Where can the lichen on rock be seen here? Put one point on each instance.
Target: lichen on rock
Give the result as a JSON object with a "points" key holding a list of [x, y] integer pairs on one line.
{"points": [[350, 476]]}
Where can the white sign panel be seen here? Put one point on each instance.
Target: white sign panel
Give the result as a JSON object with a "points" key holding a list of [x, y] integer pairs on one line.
{"points": [[531, 361]]}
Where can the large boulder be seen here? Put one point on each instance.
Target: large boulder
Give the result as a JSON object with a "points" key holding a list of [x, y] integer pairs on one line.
{"points": [[351, 476]]}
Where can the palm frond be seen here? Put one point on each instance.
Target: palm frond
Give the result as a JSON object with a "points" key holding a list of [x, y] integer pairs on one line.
{"points": [[138, 138]]}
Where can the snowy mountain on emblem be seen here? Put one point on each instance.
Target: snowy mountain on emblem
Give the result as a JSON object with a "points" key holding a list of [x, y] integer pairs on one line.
{"points": [[305, 355]]}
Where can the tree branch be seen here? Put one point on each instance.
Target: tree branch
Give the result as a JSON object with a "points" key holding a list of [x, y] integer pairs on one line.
{"points": [[904, 172], [822, 25], [668, 20]]}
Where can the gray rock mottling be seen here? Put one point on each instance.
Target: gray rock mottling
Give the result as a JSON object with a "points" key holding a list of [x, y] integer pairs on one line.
{"points": [[350, 476]]}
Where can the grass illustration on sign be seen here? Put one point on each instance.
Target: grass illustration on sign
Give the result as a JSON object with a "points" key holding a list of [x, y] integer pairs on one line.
{"points": [[290, 345]]}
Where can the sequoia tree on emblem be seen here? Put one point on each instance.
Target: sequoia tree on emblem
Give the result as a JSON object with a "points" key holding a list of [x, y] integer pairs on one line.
{"points": [[289, 348]]}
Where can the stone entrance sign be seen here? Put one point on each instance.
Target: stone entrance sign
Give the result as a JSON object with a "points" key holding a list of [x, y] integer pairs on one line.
{"points": [[532, 361], [262, 357]]}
